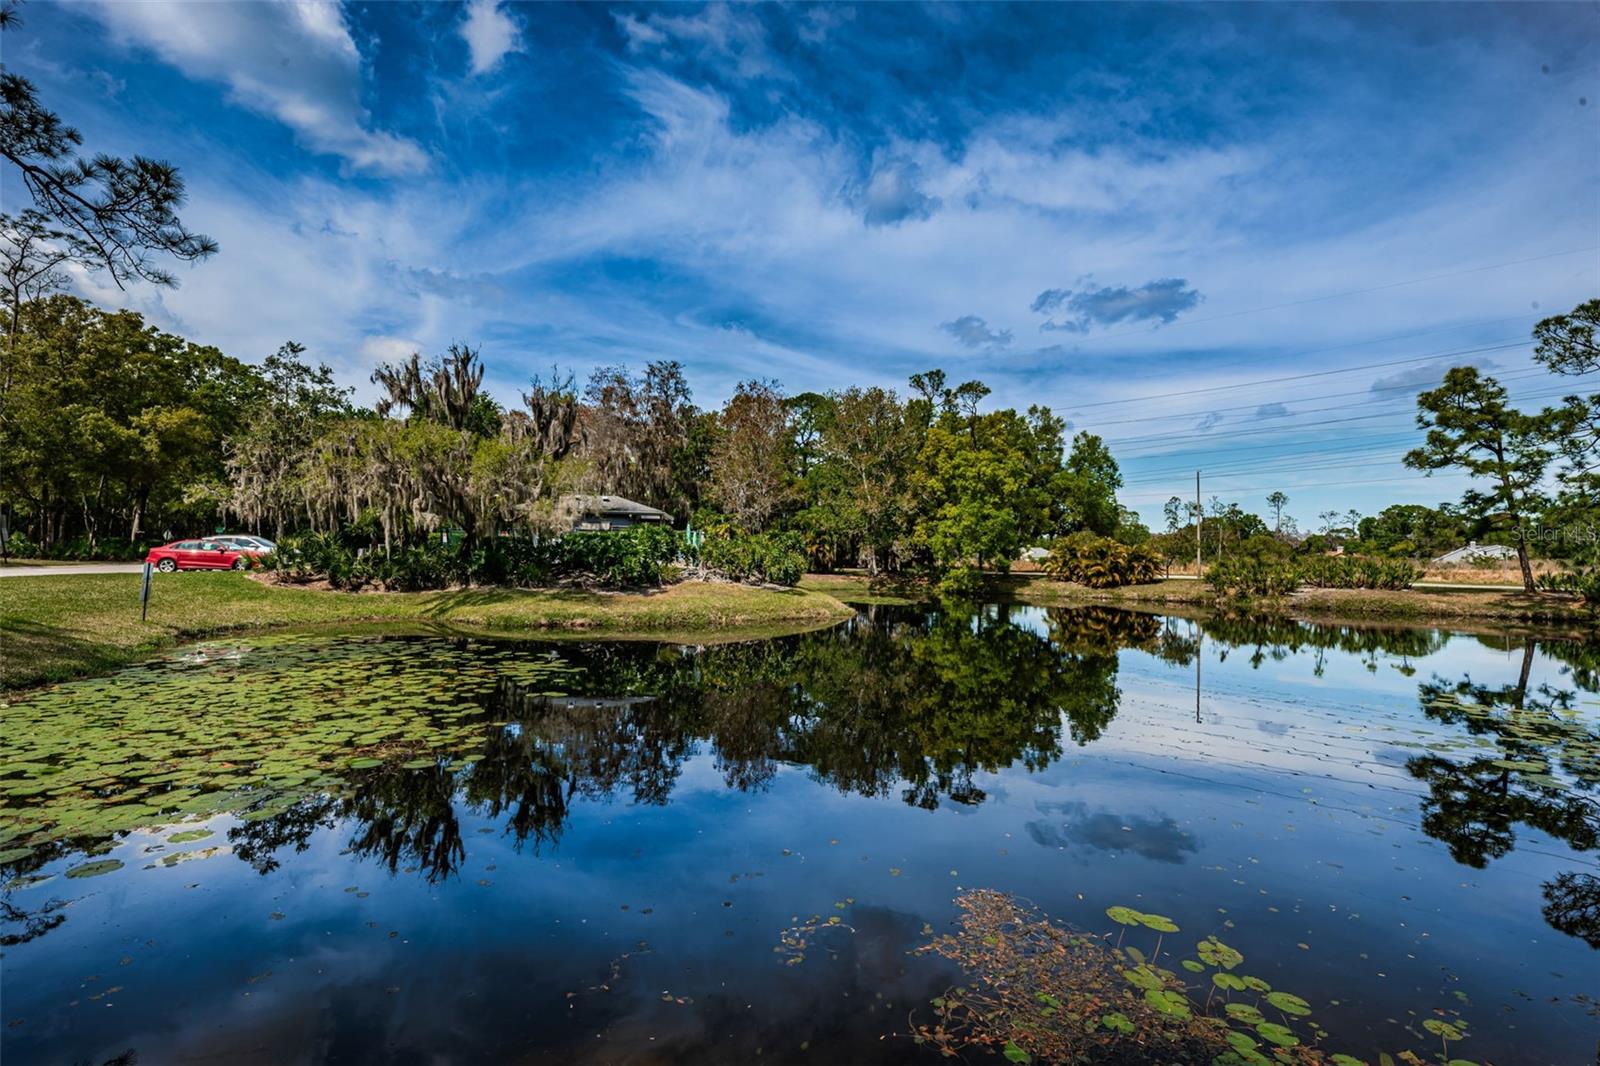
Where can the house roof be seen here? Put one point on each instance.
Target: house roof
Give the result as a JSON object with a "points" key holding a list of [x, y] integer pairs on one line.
{"points": [[618, 505], [1477, 551]]}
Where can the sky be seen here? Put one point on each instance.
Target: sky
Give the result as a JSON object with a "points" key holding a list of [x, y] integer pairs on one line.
{"points": [[1234, 238]]}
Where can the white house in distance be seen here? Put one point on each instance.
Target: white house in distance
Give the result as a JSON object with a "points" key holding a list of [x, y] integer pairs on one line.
{"points": [[610, 513], [1475, 554]]}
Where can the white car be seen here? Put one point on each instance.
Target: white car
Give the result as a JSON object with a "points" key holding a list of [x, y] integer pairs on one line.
{"points": [[246, 543]]}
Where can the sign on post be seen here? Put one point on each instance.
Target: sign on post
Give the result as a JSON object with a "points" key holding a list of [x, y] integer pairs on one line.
{"points": [[144, 592]]}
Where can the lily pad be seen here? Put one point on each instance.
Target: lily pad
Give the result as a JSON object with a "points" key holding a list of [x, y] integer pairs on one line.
{"points": [[95, 869], [1277, 1034], [1289, 1004]]}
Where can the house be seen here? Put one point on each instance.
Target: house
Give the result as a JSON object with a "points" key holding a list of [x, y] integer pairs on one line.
{"points": [[610, 513], [1475, 554]]}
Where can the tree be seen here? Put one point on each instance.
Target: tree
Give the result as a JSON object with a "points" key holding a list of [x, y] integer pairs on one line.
{"points": [[1173, 511], [751, 465], [120, 215], [1567, 346], [1087, 489], [972, 484], [265, 460], [1471, 427], [639, 433], [808, 413], [32, 253], [108, 420], [447, 390], [1566, 343], [1277, 501], [859, 491]]}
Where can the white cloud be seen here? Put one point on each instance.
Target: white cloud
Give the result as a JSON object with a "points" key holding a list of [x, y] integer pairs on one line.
{"points": [[490, 34], [295, 62], [379, 349], [719, 33]]}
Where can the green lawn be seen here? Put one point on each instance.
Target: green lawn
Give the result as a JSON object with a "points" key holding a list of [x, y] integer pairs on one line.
{"points": [[64, 626]]}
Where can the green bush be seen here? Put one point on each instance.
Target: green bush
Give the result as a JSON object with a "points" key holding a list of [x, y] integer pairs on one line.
{"points": [[1267, 575], [1262, 546], [1583, 583], [1101, 562], [630, 557], [773, 558], [1356, 572], [1244, 576], [625, 559], [78, 549], [314, 555]]}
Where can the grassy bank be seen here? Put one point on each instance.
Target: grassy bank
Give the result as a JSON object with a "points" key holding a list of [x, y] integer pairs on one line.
{"points": [[1330, 605], [64, 626]]}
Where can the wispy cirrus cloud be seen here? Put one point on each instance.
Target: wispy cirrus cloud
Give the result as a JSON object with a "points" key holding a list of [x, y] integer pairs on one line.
{"points": [[296, 63]]}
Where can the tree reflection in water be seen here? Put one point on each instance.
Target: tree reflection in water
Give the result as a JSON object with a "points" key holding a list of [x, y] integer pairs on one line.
{"points": [[1541, 770], [919, 703]]}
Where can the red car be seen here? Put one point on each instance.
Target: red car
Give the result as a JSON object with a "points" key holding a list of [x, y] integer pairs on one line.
{"points": [[198, 555]]}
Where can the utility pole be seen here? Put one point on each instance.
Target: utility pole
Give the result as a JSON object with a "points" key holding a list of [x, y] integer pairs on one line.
{"points": [[1198, 517]]}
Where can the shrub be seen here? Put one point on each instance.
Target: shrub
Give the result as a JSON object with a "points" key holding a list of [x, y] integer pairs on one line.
{"points": [[636, 556], [1583, 583], [78, 549], [314, 555], [1101, 562], [1244, 576], [627, 558], [1262, 546], [1356, 572], [773, 558], [961, 583]]}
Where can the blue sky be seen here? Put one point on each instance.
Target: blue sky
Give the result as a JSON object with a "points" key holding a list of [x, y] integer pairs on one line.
{"points": [[1135, 214]]}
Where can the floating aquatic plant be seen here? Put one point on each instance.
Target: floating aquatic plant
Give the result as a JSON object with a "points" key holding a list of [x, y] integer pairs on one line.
{"points": [[1054, 994]]}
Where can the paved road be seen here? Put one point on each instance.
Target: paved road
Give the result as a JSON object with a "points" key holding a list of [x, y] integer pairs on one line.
{"points": [[71, 568]]}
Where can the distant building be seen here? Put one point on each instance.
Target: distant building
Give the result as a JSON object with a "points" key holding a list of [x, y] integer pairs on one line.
{"points": [[609, 513], [1475, 553]]}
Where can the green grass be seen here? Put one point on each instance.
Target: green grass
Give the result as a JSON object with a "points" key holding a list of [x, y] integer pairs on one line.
{"points": [[53, 628]]}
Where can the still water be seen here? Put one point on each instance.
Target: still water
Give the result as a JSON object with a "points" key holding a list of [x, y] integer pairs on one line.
{"points": [[426, 849]]}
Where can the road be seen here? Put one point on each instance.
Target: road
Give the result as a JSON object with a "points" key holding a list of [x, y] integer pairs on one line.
{"points": [[54, 570]]}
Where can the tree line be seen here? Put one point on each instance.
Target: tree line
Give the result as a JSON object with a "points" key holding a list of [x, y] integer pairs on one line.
{"points": [[114, 432]]}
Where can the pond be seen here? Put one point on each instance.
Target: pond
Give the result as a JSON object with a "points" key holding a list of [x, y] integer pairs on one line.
{"points": [[437, 849]]}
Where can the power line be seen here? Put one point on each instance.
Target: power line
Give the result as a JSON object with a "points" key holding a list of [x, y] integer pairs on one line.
{"points": [[1418, 477], [1388, 444], [1232, 433], [1305, 377], [1510, 376]]}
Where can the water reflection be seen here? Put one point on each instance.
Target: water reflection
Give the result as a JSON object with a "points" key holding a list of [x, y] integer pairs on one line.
{"points": [[917, 706], [1539, 762]]}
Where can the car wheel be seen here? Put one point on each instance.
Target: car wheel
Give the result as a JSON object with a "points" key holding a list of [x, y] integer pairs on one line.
{"points": [[167, 566], [240, 564]]}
